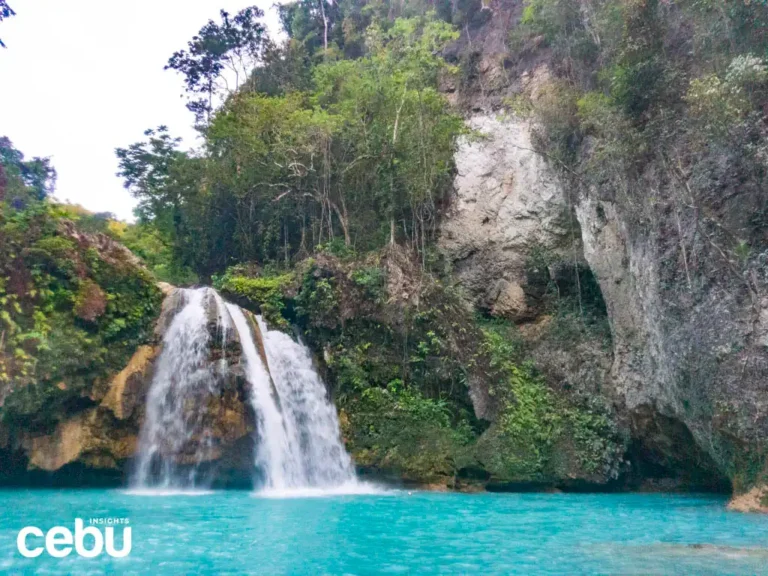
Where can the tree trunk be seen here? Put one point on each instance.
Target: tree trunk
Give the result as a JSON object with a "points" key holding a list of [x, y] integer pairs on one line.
{"points": [[344, 222], [325, 25]]}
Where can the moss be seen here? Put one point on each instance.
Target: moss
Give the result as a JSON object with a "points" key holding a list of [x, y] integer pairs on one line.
{"points": [[90, 301], [401, 432], [371, 279], [542, 437], [540, 434], [264, 293], [598, 444], [318, 299]]}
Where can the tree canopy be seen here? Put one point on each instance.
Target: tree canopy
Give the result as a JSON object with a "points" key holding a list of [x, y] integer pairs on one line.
{"points": [[350, 151], [22, 181], [219, 58]]}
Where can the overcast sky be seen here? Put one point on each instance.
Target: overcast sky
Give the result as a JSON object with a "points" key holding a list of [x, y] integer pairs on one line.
{"points": [[82, 77]]}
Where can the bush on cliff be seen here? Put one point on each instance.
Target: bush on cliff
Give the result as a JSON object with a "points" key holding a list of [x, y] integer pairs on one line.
{"points": [[73, 308]]}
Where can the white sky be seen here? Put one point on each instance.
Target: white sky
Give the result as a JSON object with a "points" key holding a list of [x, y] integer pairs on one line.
{"points": [[82, 77]]}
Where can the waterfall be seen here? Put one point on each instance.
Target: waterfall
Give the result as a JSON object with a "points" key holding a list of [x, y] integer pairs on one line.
{"points": [[298, 430], [311, 421], [175, 438], [298, 444], [276, 457]]}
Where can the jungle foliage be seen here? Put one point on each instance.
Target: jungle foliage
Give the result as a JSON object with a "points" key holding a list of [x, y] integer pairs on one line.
{"points": [[668, 96], [325, 166], [73, 305], [352, 150], [315, 200]]}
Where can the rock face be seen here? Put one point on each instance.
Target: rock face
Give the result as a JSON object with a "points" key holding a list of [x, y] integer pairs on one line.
{"points": [[675, 381], [509, 234], [688, 356], [508, 204], [755, 500], [129, 386], [89, 438], [689, 366], [103, 437]]}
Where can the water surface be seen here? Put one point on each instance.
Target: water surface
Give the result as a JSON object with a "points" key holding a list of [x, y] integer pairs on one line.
{"points": [[397, 533]]}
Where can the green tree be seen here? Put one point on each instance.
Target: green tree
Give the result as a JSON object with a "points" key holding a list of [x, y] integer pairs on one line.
{"points": [[311, 161], [22, 181], [218, 52]]}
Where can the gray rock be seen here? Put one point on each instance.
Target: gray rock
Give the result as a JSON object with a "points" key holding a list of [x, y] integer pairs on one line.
{"points": [[507, 202]]}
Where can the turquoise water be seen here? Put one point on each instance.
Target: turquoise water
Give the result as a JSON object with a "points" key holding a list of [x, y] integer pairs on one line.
{"points": [[396, 533]]}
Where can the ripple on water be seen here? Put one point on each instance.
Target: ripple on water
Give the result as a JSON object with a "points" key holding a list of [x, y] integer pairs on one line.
{"points": [[367, 530], [166, 492]]}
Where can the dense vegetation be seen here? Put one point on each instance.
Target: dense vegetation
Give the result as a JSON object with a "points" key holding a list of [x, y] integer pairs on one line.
{"points": [[360, 154], [73, 306], [316, 195], [315, 199], [401, 348]]}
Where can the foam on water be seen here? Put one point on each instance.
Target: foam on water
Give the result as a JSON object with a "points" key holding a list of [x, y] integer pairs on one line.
{"points": [[354, 488]]}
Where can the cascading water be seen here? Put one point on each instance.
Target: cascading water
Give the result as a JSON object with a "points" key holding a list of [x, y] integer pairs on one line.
{"points": [[298, 430], [175, 439], [275, 456], [311, 422], [298, 446]]}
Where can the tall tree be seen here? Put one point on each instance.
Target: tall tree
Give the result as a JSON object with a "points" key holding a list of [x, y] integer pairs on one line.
{"points": [[220, 58], [147, 170], [23, 180]]}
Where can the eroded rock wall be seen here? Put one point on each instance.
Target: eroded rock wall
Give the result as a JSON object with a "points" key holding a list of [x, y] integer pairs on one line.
{"points": [[688, 357], [508, 203], [687, 361]]}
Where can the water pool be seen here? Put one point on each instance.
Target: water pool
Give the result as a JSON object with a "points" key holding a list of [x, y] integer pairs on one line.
{"points": [[395, 533]]}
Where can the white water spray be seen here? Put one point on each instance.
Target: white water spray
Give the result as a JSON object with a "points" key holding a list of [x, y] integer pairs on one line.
{"points": [[298, 445], [298, 432], [275, 456], [174, 439], [311, 423]]}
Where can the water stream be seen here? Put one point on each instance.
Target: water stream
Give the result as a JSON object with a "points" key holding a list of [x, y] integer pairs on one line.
{"points": [[310, 420], [297, 439], [184, 376]]}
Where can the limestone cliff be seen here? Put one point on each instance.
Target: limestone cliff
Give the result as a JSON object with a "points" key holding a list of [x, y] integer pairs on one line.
{"points": [[686, 363], [508, 203]]}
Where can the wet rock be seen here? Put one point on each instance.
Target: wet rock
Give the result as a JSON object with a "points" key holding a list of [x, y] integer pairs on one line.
{"points": [[173, 302], [88, 438], [129, 387], [103, 435]]}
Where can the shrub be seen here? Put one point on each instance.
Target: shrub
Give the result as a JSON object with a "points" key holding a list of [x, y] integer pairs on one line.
{"points": [[266, 293]]}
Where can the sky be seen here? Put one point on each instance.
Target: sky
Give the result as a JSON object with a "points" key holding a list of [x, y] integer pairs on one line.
{"points": [[79, 79]]}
